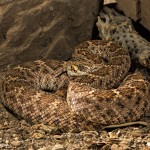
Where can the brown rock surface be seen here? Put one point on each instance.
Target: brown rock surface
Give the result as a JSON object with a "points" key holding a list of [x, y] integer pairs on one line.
{"points": [[131, 8], [145, 13], [137, 10], [32, 29], [109, 1]]}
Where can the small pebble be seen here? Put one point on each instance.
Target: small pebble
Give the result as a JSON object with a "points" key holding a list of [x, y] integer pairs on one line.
{"points": [[6, 141], [148, 144], [58, 147], [38, 135], [45, 148], [114, 147], [16, 143], [112, 135]]}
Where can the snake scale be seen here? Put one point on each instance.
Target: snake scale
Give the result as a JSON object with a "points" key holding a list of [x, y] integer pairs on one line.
{"points": [[88, 92]]}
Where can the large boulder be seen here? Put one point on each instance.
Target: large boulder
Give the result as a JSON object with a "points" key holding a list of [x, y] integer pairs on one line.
{"points": [[138, 10], [35, 29]]}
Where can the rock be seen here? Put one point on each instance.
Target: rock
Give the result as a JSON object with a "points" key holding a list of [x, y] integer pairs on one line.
{"points": [[113, 135], [130, 8], [138, 10], [16, 143], [145, 13], [58, 147], [109, 2], [38, 136], [148, 144], [45, 148], [46, 128], [46, 29], [114, 147]]}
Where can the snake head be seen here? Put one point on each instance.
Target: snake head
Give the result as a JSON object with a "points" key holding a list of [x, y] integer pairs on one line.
{"points": [[110, 21], [80, 68], [77, 69]]}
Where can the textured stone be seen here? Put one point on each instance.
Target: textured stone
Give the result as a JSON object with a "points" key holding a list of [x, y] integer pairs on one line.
{"points": [[58, 147], [32, 29], [131, 8], [109, 1], [138, 10], [145, 13]]}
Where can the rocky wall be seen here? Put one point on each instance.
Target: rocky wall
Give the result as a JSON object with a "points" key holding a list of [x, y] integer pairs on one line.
{"points": [[138, 10], [35, 29]]}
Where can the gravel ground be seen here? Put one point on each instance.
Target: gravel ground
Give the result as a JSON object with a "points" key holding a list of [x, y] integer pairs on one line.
{"points": [[17, 134]]}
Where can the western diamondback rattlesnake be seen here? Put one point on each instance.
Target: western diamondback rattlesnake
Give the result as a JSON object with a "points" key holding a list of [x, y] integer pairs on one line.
{"points": [[80, 94]]}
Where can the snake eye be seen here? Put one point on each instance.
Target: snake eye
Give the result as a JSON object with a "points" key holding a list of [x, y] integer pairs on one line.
{"points": [[73, 68]]}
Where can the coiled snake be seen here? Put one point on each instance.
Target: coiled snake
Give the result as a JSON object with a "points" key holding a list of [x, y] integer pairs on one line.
{"points": [[84, 93]]}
